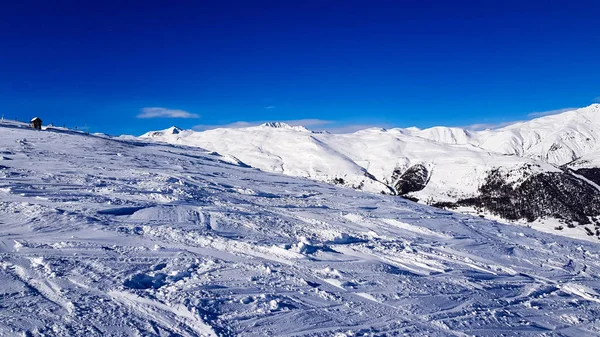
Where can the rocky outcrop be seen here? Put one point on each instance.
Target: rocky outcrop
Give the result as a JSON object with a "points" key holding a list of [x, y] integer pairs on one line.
{"points": [[414, 179]]}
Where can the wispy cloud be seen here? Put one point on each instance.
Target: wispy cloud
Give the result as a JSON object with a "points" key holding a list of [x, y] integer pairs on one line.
{"points": [[329, 125], [156, 112], [270, 107], [532, 115], [597, 99], [485, 126], [234, 125], [311, 122], [549, 112], [350, 128]]}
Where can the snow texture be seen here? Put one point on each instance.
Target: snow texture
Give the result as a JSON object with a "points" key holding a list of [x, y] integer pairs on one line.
{"points": [[105, 236]]}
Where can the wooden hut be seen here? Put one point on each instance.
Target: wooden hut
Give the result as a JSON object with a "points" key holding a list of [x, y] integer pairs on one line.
{"points": [[36, 123]]}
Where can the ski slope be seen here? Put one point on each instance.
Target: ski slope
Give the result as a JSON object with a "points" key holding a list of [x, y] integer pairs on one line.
{"points": [[108, 236]]}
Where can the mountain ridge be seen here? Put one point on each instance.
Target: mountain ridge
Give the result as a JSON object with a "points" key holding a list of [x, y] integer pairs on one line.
{"points": [[450, 164]]}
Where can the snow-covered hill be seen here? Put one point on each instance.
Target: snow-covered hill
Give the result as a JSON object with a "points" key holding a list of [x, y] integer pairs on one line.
{"points": [[440, 165], [126, 237]]}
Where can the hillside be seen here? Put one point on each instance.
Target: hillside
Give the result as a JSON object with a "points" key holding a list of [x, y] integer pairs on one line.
{"points": [[527, 164], [108, 236]]}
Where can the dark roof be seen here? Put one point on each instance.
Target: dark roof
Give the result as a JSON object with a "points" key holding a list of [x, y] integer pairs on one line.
{"points": [[36, 119]]}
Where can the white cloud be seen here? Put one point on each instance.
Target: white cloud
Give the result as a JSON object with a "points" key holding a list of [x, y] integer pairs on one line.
{"points": [[497, 125], [485, 126], [234, 125], [270, 107], [156, 112], [350, 128], [549, 112], [337, 127], [310, 122]]}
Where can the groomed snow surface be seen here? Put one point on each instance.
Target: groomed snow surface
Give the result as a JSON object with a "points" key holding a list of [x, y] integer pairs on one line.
{"points": [[115, 237]]}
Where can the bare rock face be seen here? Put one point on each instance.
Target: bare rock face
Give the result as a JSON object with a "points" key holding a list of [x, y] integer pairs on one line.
{"points": [[412, 180]]}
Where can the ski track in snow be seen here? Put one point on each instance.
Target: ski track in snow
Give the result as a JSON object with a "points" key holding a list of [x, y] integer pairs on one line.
{"points": [[115, 237]]}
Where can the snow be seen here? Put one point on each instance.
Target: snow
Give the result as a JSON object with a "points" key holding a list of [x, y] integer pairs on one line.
{"points": [[105, 236], [545, 224], [281, 125], [556, 139], [458, 160], [367, 158], [279, 148]]}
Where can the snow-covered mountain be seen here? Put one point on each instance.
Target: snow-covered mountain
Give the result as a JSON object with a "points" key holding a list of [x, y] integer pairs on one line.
{"points": [[105, 236], [557, 139], [440, 165]]}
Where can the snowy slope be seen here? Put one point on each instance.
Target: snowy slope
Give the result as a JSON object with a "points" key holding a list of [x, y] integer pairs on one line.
{"points": [[279, 148], [435, 165], [456, 171], [122, 237]]}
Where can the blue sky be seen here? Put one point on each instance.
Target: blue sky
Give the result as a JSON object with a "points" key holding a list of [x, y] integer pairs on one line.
{"points": [[328, 64]]}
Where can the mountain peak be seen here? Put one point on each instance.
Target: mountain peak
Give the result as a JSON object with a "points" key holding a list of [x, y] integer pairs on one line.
{"points": [[172, 130], [277, 125], [282, 125]]}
